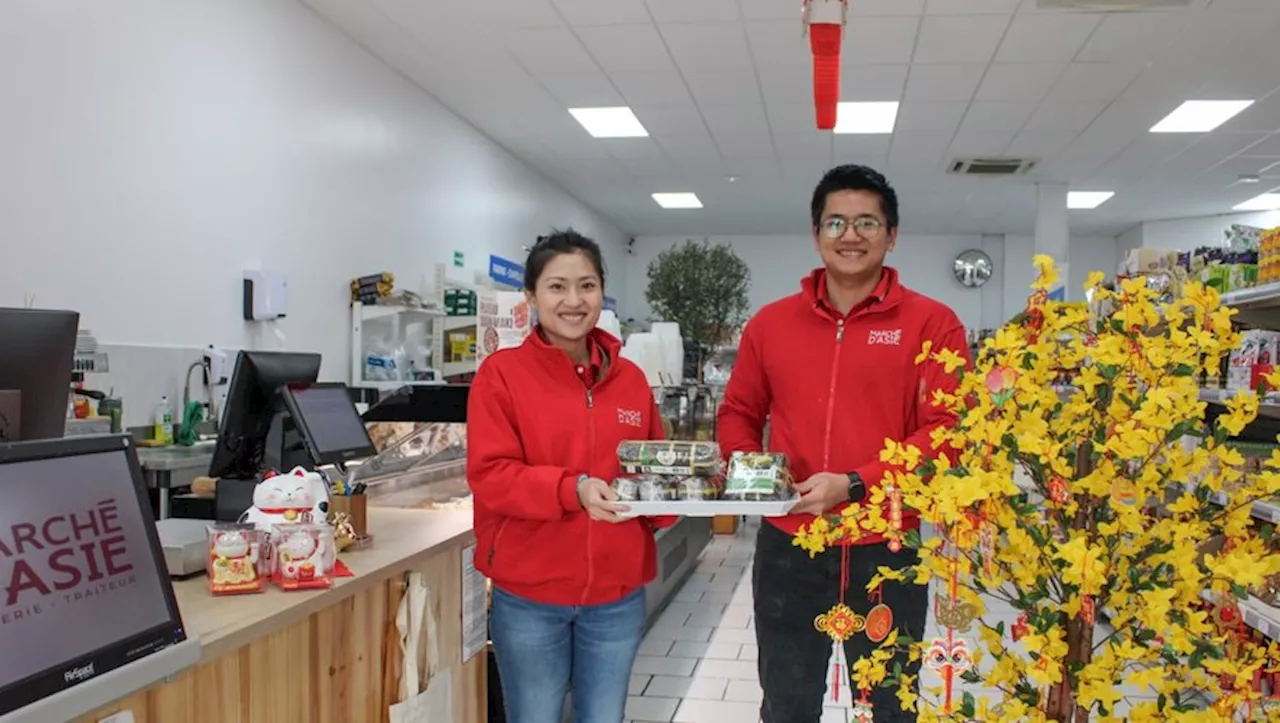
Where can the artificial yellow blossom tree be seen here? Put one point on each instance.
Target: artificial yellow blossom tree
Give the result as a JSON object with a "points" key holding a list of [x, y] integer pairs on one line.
{"points": [[1077, 485]]}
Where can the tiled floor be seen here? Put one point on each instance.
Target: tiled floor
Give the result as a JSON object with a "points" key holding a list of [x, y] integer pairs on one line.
{"points": [[697, 664]]}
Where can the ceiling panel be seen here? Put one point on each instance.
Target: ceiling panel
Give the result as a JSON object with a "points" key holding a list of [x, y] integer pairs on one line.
{"points": [[924, 116], [1094, 81], [654, 87], [683, 11], [943, 82], [745, 145], [878, 40], [867, 82], [1133, 36], [627, 48], [594, 12], [735, 118], [778, 43], [1019, 81], [997, 115], [723, 87], [581, 89], [959, 38], [707, 46], [973, 7], [1046, 38], [670, 119], [548, 50]]}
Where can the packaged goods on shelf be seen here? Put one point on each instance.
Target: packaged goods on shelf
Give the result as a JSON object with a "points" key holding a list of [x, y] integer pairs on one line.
{"points": [[1269, 256], [1254, 357]]}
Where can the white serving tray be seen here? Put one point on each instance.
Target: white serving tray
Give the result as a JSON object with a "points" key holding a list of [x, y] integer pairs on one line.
{"points": [[709, 508]]}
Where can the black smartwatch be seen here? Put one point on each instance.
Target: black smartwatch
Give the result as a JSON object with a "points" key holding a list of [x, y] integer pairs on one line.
{"points": [[857, 490]]}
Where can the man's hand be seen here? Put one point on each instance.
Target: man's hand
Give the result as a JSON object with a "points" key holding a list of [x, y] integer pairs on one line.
{"points": [[822, 492], [599, 499]]}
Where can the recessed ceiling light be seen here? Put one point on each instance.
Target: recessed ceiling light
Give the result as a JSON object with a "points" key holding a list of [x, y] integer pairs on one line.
{"points": [[617, 122], [677, 200], [1200, 116], [1084, 200], [877, 117], [1265, 202]]}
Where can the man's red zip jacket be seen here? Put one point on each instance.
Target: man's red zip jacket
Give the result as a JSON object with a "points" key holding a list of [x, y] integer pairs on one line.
{"points": [[535, 424], [833, 389]]}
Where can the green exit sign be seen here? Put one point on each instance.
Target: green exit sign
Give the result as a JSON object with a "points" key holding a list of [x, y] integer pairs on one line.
{"points": [[458, 259]]}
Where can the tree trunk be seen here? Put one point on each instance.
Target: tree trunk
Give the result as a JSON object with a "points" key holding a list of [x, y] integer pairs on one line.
{"points": [[1062, 697]]}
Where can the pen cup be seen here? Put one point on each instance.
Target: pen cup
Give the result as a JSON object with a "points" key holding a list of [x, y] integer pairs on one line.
{"points": [[357, 506]]}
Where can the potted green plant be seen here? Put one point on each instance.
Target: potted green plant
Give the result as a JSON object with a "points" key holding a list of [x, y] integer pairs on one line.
{"points": [[702, 287]]}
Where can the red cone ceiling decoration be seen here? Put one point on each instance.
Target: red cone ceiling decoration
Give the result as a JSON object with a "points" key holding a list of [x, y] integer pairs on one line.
{"points": [[825, 20]]}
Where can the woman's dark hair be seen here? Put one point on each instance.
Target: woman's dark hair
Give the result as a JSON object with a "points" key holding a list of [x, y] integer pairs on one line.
{"points": [[853, 177], [548, 247]]}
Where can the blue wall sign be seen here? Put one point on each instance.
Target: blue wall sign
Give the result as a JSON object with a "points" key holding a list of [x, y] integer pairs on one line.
{"points": [[506, 271], [610, 303]]}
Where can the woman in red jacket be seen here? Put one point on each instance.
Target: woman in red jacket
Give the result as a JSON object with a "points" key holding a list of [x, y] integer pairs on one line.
{"points": [[543, 425]]}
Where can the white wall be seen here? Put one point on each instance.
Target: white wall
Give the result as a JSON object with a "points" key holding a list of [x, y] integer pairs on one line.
{"points": [[152, 150], [778, 263]]}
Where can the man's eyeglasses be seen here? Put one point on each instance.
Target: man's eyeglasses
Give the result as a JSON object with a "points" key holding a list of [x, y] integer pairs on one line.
{"points": [[865, 226]]}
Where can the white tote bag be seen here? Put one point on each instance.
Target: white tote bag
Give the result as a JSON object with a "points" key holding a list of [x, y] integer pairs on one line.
{"points": [[416, 622]]}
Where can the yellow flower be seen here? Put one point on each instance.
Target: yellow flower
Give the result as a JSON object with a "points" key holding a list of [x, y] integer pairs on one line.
{"points": [[924, 351]]}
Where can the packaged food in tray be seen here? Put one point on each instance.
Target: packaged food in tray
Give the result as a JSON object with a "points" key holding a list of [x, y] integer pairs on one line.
{"points": [[646, 488], [758, 476], [676, 458], [700, 488]]}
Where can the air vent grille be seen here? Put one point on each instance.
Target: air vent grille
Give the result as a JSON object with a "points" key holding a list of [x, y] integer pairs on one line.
{"points": [[992, 166]]}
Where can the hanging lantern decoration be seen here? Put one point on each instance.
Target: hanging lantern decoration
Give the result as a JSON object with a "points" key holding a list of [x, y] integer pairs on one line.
{"points": [[824, 20]]}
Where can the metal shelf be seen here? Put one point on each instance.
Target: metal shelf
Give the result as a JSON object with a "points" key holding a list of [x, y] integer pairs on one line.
{"points": [[1258, 307], [1269, 405]]}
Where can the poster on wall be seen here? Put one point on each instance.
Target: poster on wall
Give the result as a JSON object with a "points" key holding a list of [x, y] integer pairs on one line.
{"points": [[505, 319]]}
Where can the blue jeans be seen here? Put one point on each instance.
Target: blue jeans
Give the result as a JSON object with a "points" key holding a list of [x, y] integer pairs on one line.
{"points": [[544, 650]]}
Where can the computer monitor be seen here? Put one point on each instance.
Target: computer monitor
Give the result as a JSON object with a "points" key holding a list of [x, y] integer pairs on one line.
{"points": [[329, 424], [39, 350], [87, 609], [254, 434]]}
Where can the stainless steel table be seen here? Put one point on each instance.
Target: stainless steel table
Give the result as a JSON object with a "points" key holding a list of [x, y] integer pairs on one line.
{"points": [[160, 463]]}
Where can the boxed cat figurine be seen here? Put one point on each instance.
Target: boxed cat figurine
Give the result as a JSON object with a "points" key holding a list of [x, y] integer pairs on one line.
{"points": [[235, 563], [300, 556]]}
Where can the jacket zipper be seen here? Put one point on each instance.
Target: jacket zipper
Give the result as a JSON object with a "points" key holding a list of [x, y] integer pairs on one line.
{"points": [[493, 550], [591, 456], [831, 396]]}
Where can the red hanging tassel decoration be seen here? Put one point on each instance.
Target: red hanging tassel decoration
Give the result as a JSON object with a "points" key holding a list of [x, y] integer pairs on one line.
{"points": [[825, 19]]}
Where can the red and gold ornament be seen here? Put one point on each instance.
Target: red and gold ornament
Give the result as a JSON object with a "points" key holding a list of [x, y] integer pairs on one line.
{"points": [[1059, 493]]}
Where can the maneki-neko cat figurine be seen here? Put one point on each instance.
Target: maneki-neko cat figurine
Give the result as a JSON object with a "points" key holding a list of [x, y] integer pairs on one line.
{"points": [[234, 556]]}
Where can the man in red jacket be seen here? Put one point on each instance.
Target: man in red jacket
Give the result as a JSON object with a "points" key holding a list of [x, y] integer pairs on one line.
{"points": [[832, 370]]}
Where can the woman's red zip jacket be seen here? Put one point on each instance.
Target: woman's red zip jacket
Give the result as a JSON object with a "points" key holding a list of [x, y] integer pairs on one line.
{"points": [[533, 427], [835, 388]]}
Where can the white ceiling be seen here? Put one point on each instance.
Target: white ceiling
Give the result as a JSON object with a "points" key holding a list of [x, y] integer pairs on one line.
{"points": [[725, 89]]}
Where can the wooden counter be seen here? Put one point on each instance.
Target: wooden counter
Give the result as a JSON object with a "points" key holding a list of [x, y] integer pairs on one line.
{"points": [[327, 656]]}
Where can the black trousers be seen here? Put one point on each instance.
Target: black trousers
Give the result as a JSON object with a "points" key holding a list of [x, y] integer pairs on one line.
{"points": [[790, 590]]}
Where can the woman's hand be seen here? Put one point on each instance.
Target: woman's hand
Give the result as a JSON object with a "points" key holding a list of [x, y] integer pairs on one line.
{"points": [[599, 500]]}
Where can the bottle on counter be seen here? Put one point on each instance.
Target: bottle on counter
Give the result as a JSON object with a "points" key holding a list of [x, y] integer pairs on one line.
{"points": [[164, 422]]}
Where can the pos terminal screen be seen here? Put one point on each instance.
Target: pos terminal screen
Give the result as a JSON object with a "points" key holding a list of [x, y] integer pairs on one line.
{"points": [[82, 586]]}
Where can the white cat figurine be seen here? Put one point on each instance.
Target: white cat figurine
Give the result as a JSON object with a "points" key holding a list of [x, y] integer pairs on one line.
{"points": [[288, 499], [299, 496]]}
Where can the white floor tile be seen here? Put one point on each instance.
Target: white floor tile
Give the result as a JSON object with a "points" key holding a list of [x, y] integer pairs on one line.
{"points": [[657, 710], [648, 665], [731, 669], [717, 651], [638, 684], [663, 686], [715, 711], [744, 691], [749, 652], [657, 647]]}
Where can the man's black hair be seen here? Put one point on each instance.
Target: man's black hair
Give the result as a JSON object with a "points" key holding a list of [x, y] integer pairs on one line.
{"points": [[552, 245], [853, 177]]}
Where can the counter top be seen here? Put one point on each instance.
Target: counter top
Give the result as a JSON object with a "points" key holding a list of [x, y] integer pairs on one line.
{"points": [[176, 458], [403, 538]]}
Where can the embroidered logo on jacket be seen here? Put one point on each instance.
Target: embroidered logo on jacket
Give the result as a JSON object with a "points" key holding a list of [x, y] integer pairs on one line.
{"points": [[630, 418], [885, 337]]}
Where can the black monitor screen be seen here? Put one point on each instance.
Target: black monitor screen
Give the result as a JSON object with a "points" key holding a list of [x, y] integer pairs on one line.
{"points": [[83, 586], [330, 425]]}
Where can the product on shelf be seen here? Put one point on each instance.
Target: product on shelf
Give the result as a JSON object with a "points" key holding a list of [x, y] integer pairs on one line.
{"points": [[299, 556], [757, 476], [678, 458], [1254, 358]]}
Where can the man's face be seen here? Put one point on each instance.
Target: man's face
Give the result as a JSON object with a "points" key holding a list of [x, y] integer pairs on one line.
{"points": [[853, 235]]}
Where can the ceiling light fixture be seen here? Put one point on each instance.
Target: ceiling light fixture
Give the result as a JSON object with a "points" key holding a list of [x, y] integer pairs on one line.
{"points": [[1200, 116], [1265, 202], [1085, 200], [617, 122], [866, 118], [677, 200]]}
